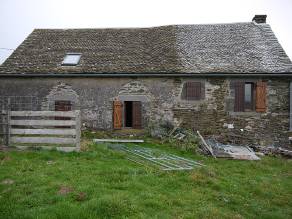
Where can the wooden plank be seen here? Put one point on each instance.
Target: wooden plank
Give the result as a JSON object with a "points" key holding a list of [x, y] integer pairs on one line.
{"points": [[261, 96], [43, 122], [137, 115], [34, 147], [117, 114], [239, 96], [78, 129], [64, 149], [8, 124], [70, 114], [119, 140], [68, 149], [209, 148], [43, 140], [43, 131]]}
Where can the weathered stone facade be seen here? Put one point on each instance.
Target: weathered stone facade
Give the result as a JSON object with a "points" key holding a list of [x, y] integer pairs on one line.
{"points": [[161, 101]]}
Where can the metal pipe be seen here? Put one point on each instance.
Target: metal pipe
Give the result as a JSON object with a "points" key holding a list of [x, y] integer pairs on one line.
{"points": [[147, 158], [197, 163], [162, 160], [151, 158]]}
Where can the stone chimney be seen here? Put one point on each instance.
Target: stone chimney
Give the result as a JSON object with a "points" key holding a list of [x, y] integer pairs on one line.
{"points": [[260, 19]]}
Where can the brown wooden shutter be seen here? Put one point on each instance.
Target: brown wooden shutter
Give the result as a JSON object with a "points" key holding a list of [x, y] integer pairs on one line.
{"points": [[117, 114], [261, 96], [239, 96], [193, 91], [137, 115]]}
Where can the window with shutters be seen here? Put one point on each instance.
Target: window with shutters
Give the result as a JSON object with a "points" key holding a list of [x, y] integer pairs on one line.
{"points": [[250, 96], [192, 91]]}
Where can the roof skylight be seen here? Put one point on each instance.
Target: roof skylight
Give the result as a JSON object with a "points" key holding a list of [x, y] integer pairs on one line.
{"points": [[71, 59]]}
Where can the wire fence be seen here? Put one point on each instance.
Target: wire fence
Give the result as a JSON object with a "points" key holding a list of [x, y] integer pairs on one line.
{"points": [[17, 103]]}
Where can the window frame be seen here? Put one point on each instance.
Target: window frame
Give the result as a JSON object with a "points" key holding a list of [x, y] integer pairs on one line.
{"points": [[241, 103], [249, 106], [71, 54]]}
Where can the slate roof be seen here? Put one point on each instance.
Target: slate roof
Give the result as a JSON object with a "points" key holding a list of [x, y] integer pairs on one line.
{"points": [[214, 48]]}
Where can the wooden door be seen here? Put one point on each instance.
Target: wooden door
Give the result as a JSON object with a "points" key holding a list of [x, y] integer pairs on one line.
{"points": [[117, 114], [137, 115]]}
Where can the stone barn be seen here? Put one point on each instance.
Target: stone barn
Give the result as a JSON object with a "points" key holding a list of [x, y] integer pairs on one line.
{"points": [[216, 78]]}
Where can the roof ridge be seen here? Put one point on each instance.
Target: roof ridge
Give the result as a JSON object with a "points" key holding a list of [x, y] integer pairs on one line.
{"points": [[150, 27]]}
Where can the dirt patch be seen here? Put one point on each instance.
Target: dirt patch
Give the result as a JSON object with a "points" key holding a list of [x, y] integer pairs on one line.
{"points": [[81, 196], [64, 190], [4, 159]]}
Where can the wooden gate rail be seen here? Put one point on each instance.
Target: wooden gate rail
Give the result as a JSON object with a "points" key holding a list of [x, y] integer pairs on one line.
{"points": [[44, 124]]}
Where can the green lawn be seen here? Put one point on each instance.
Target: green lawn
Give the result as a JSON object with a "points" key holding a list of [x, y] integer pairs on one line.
{"points": [[101, 183]]}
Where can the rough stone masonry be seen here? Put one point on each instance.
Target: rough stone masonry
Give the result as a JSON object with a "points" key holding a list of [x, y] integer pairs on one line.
{"points": [[162, 102]]}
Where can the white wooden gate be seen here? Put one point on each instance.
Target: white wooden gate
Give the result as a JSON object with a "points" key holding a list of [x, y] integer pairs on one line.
{"points": [[45, 129]]}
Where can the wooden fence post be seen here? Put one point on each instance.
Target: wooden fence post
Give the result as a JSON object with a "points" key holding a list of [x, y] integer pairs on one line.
{"points": [[78, 129], [8, 123], [3, 124]]}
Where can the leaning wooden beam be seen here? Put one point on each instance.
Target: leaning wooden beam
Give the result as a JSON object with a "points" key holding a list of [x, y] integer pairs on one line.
{"points": [[118, 140], [206, 145]]}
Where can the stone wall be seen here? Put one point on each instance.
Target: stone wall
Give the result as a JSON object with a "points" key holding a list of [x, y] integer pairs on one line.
{"points": [[215, 115], [161, 102]]}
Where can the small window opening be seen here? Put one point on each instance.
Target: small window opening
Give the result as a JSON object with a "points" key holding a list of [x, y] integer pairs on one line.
{"points": [[71, 59]]}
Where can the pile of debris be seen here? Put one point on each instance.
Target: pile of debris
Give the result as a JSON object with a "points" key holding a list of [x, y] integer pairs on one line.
{"points": [[189, 139], [272, 150], [216, 149]]}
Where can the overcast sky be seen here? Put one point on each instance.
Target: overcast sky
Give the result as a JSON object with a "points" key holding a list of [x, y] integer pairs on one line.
{"points": [[19, 17]]}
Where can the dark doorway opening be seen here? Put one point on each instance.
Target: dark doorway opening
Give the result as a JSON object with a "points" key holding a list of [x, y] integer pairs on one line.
{"points": [[128, 114]]}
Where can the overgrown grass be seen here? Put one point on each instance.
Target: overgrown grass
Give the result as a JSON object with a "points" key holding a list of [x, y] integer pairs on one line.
{"points": [[101, 183]]}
